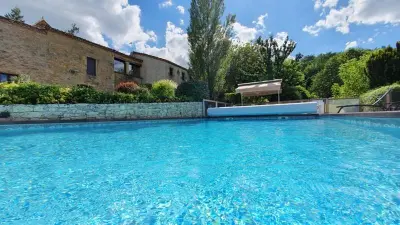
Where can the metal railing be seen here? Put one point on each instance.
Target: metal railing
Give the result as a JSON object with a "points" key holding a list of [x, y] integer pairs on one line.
{"points": [[212, 104]]}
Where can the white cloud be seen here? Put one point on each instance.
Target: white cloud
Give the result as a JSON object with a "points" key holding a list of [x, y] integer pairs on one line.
{"points": [[181, 9], [116, 21], [281, 37], [369, 41], [325, 4], [261, 21], [181, 22], [351, 44], [243, 34], [366, 12], [313, 30], [166, 4], [176, 47]]}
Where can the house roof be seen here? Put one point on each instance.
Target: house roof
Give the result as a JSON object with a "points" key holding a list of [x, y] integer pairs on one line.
{"points": [[158, 58], [42, 26]]}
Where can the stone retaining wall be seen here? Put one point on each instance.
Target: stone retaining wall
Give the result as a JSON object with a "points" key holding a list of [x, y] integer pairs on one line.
{"points": [[104, 111]]}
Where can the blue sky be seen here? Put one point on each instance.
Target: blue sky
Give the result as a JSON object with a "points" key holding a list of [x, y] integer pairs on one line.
{"points": [[154, 26], [283, 16]]}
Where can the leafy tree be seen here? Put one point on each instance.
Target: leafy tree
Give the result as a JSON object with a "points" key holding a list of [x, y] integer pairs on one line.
{"points": [[15, 15], [312, 65], [274, 54], [245, 65], [354, 76], [323, 81], [74, 29], [292, 81], [209, 40], [384, 67]]}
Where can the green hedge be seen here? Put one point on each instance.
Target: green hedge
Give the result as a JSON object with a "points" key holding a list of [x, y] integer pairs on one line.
{"points": [[33, 93], [373, 95], [193, 90]]}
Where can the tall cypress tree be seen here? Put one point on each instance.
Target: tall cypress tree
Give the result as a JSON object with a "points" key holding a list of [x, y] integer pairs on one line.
{"points": [[209, 40]]}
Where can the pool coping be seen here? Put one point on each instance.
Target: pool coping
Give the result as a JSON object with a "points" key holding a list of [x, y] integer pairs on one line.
{"points": [[385, 114], [389, 114]]}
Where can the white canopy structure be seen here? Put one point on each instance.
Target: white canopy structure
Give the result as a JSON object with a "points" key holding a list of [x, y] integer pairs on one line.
{"points": [[262, 88]]}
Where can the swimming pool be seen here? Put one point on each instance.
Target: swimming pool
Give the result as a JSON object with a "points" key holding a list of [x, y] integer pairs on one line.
{"points": [[242, 171]]}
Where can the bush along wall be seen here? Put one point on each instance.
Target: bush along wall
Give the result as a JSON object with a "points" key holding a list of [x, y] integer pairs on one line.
{"points": [[193, 90], [34, 93], [372, 96]]}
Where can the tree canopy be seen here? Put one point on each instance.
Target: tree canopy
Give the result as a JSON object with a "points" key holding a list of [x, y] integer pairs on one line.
{"points": [[209, 40], [15, 15]]}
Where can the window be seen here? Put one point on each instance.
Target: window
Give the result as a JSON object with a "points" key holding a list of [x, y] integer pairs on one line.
{"points": [[171, 72], [91, 66], [119, 66], [133, 70], [5, 77], [183, 76]]}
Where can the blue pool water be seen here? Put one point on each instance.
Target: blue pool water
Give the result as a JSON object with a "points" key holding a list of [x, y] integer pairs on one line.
{"points": [[246, 171]]}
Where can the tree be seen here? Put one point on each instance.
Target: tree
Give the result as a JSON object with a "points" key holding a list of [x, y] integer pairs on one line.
{"points": [[245, 65], [383, 67], [209, 40], [299, 56], [323, 81], [74, 29], [292, 81], [15, 15], [354, 76], [274, 54], [312, 65], [398, 48]]}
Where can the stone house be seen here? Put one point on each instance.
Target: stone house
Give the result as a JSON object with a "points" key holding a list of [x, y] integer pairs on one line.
{"points": [[51, 56]]}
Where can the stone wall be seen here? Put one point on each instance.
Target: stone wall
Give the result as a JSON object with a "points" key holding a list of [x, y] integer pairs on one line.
{"points": [[104, 111], [154, 69]]}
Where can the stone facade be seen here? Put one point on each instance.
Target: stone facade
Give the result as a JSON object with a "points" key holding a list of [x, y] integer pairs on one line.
{"points": [[155, 68], [104, 111], [51, 56]]}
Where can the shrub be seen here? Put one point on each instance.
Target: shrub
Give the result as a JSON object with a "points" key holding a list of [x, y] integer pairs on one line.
{"points": [[233, 98], [193, 90], [293, 93], [83, 94], [31, 93], [164, 90], [372, 96], [123, 98], [144, 95], [127, 87], [303, 92], [5, 114], [148, 86]]}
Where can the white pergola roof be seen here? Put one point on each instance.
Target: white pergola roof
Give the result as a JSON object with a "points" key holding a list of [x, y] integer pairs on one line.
{"points": [[270, 87]]}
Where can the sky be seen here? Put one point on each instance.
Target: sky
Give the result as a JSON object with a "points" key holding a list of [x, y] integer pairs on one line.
{"points": [[158, 27]]}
